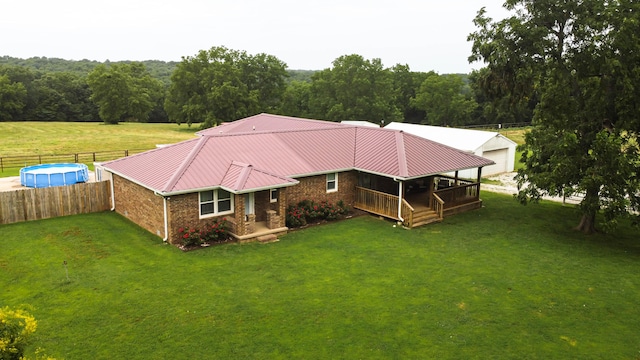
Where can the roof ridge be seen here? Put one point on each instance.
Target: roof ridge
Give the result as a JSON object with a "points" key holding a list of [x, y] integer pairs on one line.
{"points": [[185, 164], [244, 174], [403, 168], [280, 131]]}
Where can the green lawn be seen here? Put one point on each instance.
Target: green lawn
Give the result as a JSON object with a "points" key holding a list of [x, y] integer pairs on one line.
{"points": [[503, 282]]}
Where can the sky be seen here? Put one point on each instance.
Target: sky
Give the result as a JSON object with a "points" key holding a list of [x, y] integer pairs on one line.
{"points": [[427, 35]]}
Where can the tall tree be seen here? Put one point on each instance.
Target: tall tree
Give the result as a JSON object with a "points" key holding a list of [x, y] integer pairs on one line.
{"points": [[442, 97], [224, 85], [406, 84], [580, 59], [354, 89], [63, 96], [494, 109], [13, 97], [20, 78], [295, 100], [124, 91]]}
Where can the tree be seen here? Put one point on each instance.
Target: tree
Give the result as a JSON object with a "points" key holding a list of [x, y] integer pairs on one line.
{"points": [[20, 93], [63, 96], [224, 85], [494, 109], [405, 84], [354, 89], [295, 100], [580, 59], [442, 98], [123, 91], [12, 99]]}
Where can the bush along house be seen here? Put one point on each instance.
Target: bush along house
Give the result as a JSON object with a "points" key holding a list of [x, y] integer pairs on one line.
{"points": [[249, 171]]}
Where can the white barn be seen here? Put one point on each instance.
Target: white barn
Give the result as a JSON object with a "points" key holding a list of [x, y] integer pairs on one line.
{"points": [[488, 144], [359, 123]]}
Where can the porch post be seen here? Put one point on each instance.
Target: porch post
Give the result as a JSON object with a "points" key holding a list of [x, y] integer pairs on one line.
{"points": [[456, 181], [430, 187], [400, 191], [479, 176]]}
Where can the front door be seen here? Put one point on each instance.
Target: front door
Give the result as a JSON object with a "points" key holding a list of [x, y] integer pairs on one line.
{"points": [[249, 204]]}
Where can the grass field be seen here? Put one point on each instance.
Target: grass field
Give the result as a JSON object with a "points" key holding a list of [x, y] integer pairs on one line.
{"points": [[503, 282], [29, 137], [61, 138]]}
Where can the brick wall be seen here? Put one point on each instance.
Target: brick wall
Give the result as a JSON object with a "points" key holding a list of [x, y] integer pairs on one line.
{"points": [[184, 212], [146, 209], [140, 205], [315, 188]]}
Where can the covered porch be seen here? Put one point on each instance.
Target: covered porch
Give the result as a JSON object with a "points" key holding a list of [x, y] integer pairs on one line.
{"points": [[417, 203]]}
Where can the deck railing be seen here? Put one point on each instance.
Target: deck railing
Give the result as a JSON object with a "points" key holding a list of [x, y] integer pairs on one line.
{"points": [[457, 195], [407, 213], [438, 206], [386, 205], [377, 202]]}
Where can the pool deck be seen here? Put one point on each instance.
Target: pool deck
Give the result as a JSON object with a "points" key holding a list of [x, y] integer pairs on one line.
{"points": [[13, 182]]}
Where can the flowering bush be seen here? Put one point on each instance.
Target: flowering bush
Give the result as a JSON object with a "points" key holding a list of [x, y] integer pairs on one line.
{"points": [[16, 328], [295, 217], [308, 211], [190, 236], [214, 232]]}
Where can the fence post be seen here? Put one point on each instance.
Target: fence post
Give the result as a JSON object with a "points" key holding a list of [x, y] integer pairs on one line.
{"points": [[126, 153]]}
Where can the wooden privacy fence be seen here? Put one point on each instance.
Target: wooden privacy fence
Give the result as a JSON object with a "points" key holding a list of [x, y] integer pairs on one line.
{"points": [[44, 203]]}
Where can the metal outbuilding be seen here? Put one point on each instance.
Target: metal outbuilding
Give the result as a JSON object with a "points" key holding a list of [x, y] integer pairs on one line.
{"points": [[488, 144]]}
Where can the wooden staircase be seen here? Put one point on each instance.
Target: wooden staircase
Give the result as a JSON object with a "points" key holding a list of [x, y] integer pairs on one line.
{"points": [[425, 216]]}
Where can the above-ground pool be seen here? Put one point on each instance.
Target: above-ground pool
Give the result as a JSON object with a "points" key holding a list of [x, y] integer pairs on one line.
{"points": [[46, 175]]}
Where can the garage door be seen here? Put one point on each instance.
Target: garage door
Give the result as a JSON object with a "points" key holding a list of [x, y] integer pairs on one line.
{"points": [[500, 158]]}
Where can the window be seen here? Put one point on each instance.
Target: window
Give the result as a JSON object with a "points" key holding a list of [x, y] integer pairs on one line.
{"points": [[332, 182], [215, 202], [273, 197]]}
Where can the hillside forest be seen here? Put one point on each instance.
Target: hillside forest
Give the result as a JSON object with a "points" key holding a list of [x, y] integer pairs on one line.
{"points": [[221, 84]]}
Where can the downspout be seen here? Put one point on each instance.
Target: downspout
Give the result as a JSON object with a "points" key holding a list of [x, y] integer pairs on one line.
{"points": [[165, 216], [399, 199], [166, 221], [113, 195]]}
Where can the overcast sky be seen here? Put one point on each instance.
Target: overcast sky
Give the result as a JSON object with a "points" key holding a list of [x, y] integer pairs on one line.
{"points": [[424, 34]]}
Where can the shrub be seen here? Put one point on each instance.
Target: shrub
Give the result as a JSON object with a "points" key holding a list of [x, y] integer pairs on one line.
{"points": [[16, 327], [190, 236], [308, 211], [295, 216], [217, 231]]}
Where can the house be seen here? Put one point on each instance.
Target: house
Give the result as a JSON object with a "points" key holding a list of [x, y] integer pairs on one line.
{"points": [[250, 170], [488, 144]]}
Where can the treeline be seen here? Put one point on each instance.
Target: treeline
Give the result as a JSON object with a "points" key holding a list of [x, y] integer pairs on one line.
{"points": [[222, 84]]}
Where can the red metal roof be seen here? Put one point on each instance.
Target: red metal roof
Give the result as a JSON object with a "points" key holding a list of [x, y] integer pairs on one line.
{"points": [[241, 159], [267, 123]]}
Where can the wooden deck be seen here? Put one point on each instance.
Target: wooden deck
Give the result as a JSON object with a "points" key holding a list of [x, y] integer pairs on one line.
{"points": [[420, 209]]}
